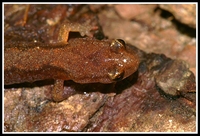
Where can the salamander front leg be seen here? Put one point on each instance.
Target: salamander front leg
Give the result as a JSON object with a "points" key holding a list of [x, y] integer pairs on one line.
{"points": [[58, 91]]}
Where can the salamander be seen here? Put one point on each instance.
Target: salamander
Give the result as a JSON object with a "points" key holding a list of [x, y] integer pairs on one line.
{"points": [[83, 60]]}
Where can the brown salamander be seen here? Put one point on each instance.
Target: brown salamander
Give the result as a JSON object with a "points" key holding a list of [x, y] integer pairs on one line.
{"points": [[83, 60]]}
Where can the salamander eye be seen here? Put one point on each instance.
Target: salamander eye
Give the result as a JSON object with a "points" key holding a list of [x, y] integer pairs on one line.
{"points": [[116, 74], [118, 45]]}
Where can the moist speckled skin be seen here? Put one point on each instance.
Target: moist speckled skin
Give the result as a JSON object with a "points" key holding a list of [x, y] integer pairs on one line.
{"points": [[83, 60]]}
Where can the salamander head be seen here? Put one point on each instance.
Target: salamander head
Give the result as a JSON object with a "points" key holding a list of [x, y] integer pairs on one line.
{"points": [[105, 61], [127, 63]]}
